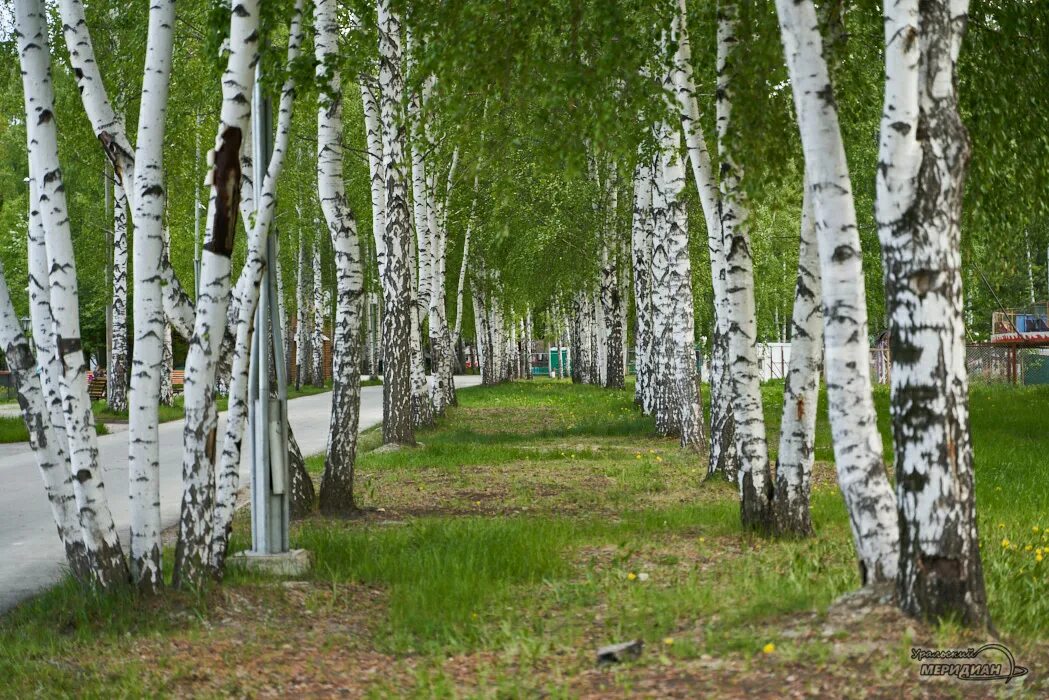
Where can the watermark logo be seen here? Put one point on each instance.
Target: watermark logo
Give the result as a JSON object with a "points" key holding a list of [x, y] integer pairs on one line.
{"points": [[991, 662]]}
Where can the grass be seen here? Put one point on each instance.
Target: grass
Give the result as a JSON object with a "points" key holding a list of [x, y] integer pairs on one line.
{"points": [[537, 522], [12, 429]]}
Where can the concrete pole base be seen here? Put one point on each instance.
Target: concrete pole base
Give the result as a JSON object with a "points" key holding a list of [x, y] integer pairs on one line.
{"points": [[291, 564]]}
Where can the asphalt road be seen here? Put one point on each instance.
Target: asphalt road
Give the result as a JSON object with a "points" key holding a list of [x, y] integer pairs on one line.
{"points": [[31, 556]]}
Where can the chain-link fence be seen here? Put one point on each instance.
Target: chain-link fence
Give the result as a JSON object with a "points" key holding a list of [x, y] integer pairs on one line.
{"points": [[986, 363]]}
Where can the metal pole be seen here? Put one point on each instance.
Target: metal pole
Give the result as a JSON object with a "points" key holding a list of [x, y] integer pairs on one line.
{"points": [[267, 417]]}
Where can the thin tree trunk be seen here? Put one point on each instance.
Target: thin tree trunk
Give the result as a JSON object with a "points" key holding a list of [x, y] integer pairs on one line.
{"points": [[46, 186], [923, 160], [641, 256], [724, 460], [754, 478], [317, 341], [249, 289], [302, 493], [116, 379], [801, 389], [302, 342], [336, 494], [192, 554], [44, 441], [397, 424], [457, 332], [857, 444]]}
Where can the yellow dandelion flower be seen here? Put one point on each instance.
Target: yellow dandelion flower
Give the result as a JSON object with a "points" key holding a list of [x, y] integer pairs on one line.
{"points": [[1001, 526], [637, 456], [1005, 542], [669, 641], [631, 576], [658, 458], [1035, 529], [702, 539], [1028, 548], [1038, 557], [768, 648]]}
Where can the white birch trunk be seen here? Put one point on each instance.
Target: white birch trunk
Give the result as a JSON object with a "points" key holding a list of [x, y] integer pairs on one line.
{"points": [[662, 330], [302, 351], [319, 312], [100, 536], [801, 389], [336, 494], [373, 129], [192, 555], [723, 456], [396, 239], [51, 457], [641, 258], [857, 443], [923, 159], [116, 378], [457, 332], [249, 289], [754, 477]]}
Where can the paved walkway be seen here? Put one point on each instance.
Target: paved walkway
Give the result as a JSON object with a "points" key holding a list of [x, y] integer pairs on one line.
{"points": [[31, 556]]}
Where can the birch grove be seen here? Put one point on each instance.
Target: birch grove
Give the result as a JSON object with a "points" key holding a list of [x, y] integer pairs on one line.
{"points": [[531, 215]]}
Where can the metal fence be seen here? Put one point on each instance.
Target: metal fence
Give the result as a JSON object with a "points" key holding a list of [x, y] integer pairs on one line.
{"points": [[986, 363]]}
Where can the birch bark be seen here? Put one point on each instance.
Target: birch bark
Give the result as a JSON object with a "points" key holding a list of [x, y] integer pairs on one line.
{"points": [[317, 340], [302, 342], [857, 443], [641, 256], [924, 155], [116, 379]]}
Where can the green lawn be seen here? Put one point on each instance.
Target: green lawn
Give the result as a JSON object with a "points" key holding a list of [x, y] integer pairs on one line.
{"points": [[12, 429], [537, 522]]}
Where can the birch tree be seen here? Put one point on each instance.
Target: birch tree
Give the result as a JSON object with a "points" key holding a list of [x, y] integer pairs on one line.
{"points": [[192, 554], [51, 457], [336, 495], [723, 455], [923, 157], [641, 257], [116, 377], [100, 537], [397, 424], [801, 388], [317, 370], [754, 476], [227, 478], [857, 443]]}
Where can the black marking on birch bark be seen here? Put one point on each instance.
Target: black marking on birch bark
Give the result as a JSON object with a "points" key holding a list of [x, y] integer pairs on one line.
{"points": [[226, 179], [209, 446], [66, 346]]}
